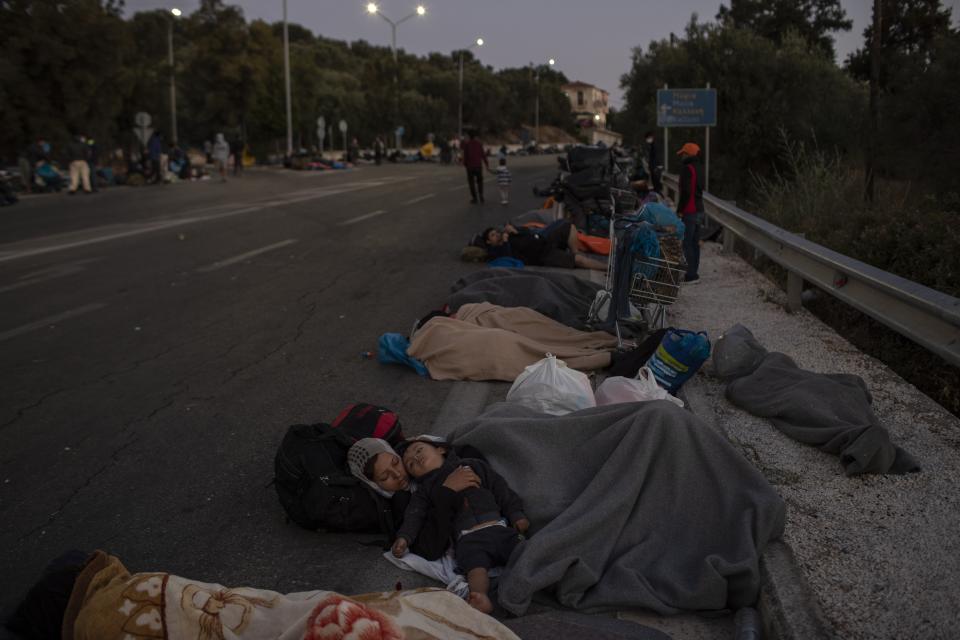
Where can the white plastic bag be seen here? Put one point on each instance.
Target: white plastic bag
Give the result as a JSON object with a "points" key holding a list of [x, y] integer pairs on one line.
{"points": [[618, 389], [549, 386]]}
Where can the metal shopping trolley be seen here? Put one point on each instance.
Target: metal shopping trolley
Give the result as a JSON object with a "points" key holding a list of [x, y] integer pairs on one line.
{"points": [[650, 280]]}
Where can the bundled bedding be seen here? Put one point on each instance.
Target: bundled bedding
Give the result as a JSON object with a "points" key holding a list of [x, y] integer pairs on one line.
{"points": [[489, 342], [562, 297], [638, 505]]}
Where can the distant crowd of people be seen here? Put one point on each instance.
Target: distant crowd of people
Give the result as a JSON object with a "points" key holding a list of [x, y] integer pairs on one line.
{"points": [[81, 166]]}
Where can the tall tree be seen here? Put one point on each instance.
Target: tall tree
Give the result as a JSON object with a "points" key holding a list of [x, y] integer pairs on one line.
{"points": [[907, 35], [814, 20]]}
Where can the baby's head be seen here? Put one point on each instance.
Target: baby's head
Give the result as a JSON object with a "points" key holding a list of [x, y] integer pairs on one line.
{"points": [[421, 457]]}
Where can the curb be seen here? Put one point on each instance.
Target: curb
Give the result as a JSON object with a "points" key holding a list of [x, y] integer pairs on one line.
{"points": [[788, 608]]}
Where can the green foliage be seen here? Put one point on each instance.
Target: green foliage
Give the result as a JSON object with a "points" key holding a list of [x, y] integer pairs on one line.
{"points": [[761, 87], [71, 66], [919, 133], [813, 20], [816, 195]]}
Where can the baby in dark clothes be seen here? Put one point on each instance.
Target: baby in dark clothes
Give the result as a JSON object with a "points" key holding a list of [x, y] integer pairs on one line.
{"points": [[482, 537]]}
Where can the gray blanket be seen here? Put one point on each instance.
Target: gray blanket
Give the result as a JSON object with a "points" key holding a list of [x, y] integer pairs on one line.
{"points": [[636, 505], [563, 297], [831, 411]]}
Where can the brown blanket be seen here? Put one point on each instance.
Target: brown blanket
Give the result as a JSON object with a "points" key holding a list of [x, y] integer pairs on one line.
{"points": [[489, 342], [108, 602]]}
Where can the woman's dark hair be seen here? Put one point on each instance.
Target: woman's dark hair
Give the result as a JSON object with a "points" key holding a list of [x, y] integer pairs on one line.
{"points": [[486, 234], [368, 468]]}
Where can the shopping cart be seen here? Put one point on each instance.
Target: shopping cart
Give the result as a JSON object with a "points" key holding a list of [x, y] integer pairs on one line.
{"points": [[651, 280]]}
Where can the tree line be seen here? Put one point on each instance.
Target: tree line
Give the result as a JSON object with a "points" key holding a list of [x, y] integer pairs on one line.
{"points": [[70, 67], [772, 62]]}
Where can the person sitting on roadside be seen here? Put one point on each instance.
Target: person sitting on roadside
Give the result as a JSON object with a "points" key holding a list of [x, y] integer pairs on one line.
{"points": [[488, 522], [555, 245]]}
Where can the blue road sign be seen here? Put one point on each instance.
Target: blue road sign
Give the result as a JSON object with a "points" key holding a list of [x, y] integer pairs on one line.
{"points": [[686, 107]]}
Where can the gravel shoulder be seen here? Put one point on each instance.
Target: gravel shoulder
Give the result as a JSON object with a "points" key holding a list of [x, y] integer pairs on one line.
{"points": [[881, 553]]}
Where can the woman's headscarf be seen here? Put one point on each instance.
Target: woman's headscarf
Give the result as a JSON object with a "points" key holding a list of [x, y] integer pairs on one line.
{"points": [[361, 452]]}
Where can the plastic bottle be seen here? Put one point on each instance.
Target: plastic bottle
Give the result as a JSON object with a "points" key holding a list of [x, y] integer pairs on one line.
{"points": [[747, 625]]}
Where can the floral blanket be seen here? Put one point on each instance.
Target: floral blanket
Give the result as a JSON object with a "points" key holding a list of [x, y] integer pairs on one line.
{"points": [[108, 602]]}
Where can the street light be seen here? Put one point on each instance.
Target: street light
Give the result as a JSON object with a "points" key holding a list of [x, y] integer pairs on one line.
{"points": [[478, 43], [536, 116], [373, 9], [173, 76]]}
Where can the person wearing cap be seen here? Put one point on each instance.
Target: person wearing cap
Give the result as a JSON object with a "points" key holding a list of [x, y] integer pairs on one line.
{"points": [[375, 463], [690, 206]]}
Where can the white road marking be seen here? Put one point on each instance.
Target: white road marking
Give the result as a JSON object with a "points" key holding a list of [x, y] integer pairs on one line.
{"points": [[49, 320], [365, 216], [244, 256], [96, 235], [420, 199], [457, 188], [50, 273]]}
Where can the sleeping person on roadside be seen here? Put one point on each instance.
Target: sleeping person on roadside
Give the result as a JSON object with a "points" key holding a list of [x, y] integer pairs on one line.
{"points": [[483, 539], [374, 462]]}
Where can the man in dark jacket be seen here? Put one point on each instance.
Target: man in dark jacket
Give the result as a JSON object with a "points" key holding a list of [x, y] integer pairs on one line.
{"points": [[475, 159], [480, 523], [690, 206], [556, 245]]}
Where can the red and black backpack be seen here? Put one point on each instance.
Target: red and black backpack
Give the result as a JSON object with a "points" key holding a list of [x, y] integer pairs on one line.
{"points": [[315, 486]]}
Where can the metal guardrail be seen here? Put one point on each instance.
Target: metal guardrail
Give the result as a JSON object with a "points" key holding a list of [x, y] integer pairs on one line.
{"points": [[928, 317]]}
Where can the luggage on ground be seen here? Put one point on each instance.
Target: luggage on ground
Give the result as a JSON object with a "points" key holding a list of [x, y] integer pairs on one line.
{"points": [[313, 482], [680, 354]]}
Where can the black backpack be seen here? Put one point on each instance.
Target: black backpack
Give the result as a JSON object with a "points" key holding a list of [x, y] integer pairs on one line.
{"points": [[312, 480]]}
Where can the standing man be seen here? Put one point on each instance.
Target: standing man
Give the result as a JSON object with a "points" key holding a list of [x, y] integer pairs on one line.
{"points": [[78, 153], [221, 156], [690, 207], [474, 160], [154, 153], [92, 161], [656, 169], [378, 148]]}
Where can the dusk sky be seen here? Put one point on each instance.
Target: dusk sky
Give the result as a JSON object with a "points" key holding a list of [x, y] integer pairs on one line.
{"points": [[591, 41]]}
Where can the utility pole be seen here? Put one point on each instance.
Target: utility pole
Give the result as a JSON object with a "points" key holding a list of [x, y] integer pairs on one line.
{"points": [[173, 79], [875, 51], [286, 75]]}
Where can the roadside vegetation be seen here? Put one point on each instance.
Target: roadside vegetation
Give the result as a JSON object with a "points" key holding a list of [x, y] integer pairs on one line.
{"points": [[796, 142], [89, 70]]}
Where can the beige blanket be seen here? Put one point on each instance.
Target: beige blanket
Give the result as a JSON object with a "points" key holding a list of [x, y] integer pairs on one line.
{"points": [[108, 602], [489, 342]]}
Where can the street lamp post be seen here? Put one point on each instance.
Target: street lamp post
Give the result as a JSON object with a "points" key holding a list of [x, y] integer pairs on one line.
{"points": [[286, 77], [173, 76], [373, 9], [478, 43], [536, 115]]}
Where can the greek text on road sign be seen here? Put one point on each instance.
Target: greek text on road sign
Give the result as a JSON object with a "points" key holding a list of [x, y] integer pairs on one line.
{"points": [[686, 107]]}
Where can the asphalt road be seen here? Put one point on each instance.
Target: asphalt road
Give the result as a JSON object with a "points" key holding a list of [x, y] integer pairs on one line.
{"points": [[157, 341]]}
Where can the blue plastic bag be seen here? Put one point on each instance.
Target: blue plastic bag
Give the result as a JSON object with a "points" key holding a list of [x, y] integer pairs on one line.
{"points": [[660, 215], [680, 354], [506, 262], [392, 349]]}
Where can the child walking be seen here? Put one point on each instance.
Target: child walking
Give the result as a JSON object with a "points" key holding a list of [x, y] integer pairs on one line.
{"points": [[483, 539], [503, 181]]}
